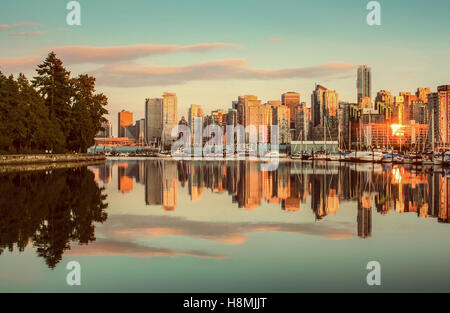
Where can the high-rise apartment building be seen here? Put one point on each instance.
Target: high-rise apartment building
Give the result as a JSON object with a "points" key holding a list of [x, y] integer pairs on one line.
{"points": [[139, 130], [281, 117], [364, 82], [161, 116], [291, 100], [153, 120], [331, 103], [301, 122], [232, 117], [422, 94], [317, 105], [194, 111], [125, 119], [384, 103], [439, 117], [408, 101], [384, 96], [242, 106], [170, 116], [324, 104]]}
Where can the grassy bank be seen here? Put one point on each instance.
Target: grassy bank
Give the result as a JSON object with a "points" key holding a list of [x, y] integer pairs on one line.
{"points": [[22, 159]]}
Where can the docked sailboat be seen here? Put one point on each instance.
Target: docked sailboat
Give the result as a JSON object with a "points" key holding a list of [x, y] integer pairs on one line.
{"points": [[366, 156]]}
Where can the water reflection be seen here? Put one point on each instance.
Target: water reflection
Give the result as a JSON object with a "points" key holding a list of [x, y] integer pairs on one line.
{"points": [[49, 210], [380, 188]]}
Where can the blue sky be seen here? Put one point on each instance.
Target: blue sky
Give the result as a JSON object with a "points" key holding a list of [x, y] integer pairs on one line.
{"points": [[409, 50]]}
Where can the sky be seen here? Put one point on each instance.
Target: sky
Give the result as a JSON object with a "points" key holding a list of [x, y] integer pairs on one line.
{"points": [[210, 52]]}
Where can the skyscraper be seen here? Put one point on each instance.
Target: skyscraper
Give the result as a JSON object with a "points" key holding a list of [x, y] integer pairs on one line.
{"points": [[317, 105], [153, 120], [331, 103], [439, 116], [324, 104], [364, 82], [291, 100], [170, 116], [281, 117], [242, 106], [125, 119], [194, 111], [384, 104], [422, 94]]}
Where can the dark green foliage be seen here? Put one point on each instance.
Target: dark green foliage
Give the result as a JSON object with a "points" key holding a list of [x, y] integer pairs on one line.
{"points": [[86, 114], [56, 112]]}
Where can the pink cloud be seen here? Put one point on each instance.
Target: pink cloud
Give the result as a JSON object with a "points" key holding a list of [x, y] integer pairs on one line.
{"points": [[137, 74], [114, 247], [21, 24], [129, 228], [84, 54], [276, 39], [10, 65], [23, 34]]}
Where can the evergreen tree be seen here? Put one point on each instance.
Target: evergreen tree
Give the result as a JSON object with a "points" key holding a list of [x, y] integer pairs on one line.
{"points": [[55, 112], [41, 133], [53, 84], [87, 113]]}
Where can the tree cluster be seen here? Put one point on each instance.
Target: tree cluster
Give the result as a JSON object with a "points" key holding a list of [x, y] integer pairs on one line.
{"points": [[54, 112]]}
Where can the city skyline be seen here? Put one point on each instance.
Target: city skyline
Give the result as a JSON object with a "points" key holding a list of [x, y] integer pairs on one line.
{"points": [[220, 62], [417, 120]]}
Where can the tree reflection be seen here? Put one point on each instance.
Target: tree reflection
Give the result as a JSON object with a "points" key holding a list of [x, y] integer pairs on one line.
{"points": [[50, 210]]}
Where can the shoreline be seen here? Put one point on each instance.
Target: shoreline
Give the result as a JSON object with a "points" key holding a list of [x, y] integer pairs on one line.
{"points": [[45, 166], [48, 159]]}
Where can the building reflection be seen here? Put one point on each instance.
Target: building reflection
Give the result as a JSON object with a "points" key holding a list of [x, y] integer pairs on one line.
{"points": [[291, 187]]}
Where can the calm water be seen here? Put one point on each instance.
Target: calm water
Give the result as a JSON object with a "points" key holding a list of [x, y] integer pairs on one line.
{"points": [[167, 226]]}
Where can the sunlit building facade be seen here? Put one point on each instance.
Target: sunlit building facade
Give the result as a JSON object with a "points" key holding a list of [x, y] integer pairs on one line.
{"points": [[364, 82], [125, 119]]}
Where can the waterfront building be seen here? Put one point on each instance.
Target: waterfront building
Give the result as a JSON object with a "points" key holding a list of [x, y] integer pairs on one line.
{"points": [[408, 108], [384, 135], [169, 118], [153, 120], [439, 117], [242, 107], [324, 106], [398, 112], [138, 131], [281, 117], [419, 112], [364, 82], [422, 94], [194, 111], [232, 117], [299, 123], [291, 100], [385, 97], [317, 105], [125, 119]]}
